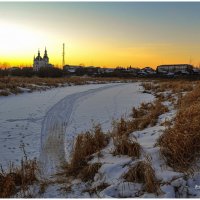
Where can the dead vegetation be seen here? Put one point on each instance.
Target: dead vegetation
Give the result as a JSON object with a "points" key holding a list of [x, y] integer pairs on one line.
{"points": [[97, 189], [13, 85], [93, 141], [18, 179], [86, 144], [176, 86], [180, 143], [147, 114], [126, 146], [144, 116], [142, 172], [190, 98], [89, 171]]}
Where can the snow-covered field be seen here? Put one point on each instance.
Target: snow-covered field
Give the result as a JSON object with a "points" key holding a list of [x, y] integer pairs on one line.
{"points": [[22, 117], [48, 122]]}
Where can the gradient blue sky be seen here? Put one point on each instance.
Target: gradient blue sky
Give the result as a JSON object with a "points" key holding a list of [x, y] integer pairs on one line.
{"points": [[101, 33]]}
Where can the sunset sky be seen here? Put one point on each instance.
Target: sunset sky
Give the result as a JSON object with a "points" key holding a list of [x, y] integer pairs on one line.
{"points": [[101, 33]]}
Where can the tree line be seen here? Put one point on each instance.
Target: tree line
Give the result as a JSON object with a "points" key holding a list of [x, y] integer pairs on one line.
{"points": [[54, 72], [29, 72]]}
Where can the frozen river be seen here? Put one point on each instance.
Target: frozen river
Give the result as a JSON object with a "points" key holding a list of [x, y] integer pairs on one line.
{"points": [[23, 116]]}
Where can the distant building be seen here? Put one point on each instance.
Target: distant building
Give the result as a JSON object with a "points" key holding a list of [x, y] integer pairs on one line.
{"points": [[13, 68], [132, 69], [149, 70], [39, 62], [108, 70], [71, 68], [196, 70], [182, 68]]}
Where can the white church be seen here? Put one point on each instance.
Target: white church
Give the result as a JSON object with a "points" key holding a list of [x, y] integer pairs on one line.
{"points": [[39, 62]]}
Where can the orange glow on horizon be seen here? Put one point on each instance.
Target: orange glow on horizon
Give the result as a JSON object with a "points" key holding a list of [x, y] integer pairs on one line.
{"points": [[97, 35]]}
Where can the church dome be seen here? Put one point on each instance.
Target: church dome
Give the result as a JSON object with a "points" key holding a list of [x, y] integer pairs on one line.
{"points": [[38, 57], [45, 56]]}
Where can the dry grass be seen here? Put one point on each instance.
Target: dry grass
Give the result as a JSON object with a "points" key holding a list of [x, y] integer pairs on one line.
{"points": [[176, 86], [86, 144], [12, 84], [190, 98], [4, 93], [17, 179], [89, 171], [125, 146], [180, 143], [146, 115], [97, 189], [122, 127], [143, 172]]}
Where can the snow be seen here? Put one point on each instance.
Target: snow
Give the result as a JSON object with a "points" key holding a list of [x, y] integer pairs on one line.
{"points": [[172, 184], [73, 114], [21, 116], [48, 123]]}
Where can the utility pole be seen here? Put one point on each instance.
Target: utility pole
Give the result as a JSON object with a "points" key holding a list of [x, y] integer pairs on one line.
{"points": [[190, 60], [63, 55]]}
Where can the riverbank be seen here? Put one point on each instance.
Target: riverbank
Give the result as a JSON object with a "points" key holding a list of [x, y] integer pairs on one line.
{"points": [[18, 85]]}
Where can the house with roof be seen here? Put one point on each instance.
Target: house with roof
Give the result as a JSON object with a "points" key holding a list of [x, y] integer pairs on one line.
{"points": [[175, 68]]}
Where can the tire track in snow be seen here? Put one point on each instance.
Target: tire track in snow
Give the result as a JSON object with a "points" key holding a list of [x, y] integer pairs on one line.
{"points": [[52, 151]]}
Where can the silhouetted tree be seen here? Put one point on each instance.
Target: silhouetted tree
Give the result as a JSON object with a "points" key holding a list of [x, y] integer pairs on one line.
{"points": [[27, 71], [3, 72], [50, 72], [16, 72]]}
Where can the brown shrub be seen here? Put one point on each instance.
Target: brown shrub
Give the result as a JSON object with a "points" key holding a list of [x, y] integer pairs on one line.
{"points": [[34, 83], [176, 86], [86, 144], [4, 93], [143, 172], [122, 127], [180, 144], [96, 189], [147, 114], [141, 111], [17, 178], [144, 116], [89, 171], [16, 90], [190, 98], [125, 146]]}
